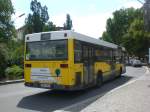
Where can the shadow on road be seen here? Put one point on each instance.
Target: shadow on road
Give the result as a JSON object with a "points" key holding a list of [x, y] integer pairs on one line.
{"points": [[55, 100]]}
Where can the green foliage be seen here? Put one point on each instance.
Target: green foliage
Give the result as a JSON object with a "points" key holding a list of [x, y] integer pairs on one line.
{"points": [[36, 21], [7, 33], [50, 27], [126, 28], [106, 37], [14, 72], [3, 58], [16, 49], [136, 40], [11, 52], [7, 29], [68, 24], [117, 26]]}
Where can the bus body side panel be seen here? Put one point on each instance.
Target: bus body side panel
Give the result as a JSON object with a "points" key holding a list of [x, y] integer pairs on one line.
{"points": [[123, 68], [120, 68], [76, 70], [105, 68], [78, 74], [27, 72], [71, 77]]}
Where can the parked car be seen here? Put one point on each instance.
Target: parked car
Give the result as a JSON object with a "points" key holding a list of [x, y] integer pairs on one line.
{"points": [[136, 63]]}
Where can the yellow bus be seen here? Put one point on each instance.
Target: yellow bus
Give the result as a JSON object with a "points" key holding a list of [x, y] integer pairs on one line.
{"points": [[67, 60]]}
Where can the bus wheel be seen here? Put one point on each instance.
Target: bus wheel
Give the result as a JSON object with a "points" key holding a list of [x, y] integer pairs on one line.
{"points": [[99, 79], [120, 72]]}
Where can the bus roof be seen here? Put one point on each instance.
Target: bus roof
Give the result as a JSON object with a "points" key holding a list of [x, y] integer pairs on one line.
{"points": [[66, 34]]}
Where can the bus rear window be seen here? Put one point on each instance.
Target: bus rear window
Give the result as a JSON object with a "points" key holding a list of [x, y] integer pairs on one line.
{"points": [[47, 50]]}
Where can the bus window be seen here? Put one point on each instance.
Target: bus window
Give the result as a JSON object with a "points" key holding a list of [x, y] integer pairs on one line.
{"points": [[47, 50], [118, 56], [103, 54], [85, 52], [98, 54], [77, 51], [114, 56], [107, 55], [91, 52]]}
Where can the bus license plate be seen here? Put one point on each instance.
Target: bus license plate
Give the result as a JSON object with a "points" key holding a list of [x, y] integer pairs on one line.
{"points": [[45, 85]]}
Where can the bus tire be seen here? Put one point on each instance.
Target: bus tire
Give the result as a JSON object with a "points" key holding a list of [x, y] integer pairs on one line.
{"points": [[99, 79], [120, 72]]}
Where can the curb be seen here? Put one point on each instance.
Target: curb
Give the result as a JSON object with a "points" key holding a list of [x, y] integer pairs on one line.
{"points": [[11, 81]]}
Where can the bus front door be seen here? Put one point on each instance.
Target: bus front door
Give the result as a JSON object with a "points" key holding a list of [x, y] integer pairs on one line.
{"points": [[88, 62]]}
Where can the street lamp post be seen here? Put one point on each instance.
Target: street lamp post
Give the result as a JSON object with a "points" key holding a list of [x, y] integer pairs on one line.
{"points": [[18, 31], [140, 2], [19, 16]]}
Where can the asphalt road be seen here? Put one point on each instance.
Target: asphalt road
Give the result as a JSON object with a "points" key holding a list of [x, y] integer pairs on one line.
{"points": [[18, 98]]}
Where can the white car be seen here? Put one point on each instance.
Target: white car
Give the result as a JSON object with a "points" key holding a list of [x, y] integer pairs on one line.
{"points": [[136, 63]]}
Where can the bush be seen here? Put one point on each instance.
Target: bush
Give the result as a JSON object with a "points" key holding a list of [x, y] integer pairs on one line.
{"points": [[14, 72], [3, 59], [16, 49]]}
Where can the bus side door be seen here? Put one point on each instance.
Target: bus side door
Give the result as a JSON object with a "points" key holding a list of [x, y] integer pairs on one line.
{"points": [[88, 63]]}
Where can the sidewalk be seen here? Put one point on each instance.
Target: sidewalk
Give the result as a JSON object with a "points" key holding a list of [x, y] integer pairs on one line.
{"points": [[133, 97], [11, 81]]}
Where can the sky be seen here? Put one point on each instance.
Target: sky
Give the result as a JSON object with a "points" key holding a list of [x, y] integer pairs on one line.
{"points": [[89, 16]]}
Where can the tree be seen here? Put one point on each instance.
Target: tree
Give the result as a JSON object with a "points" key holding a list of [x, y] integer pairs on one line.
{"points": [[117, 26], [7, 32], [36, 20], [68, 23], [106, 37], [50, 26], [15, 52], [137, 41], [3, 59], [126, 28], [7, 29]]}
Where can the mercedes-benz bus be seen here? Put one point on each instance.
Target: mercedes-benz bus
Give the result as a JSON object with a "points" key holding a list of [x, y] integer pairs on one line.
{"points": [[66, 60]]}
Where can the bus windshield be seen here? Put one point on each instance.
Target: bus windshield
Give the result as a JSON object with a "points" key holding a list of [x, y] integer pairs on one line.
{"points": [[47, 50]]}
